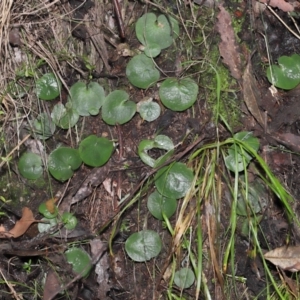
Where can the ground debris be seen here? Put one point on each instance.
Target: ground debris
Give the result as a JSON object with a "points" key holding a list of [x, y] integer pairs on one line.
{"points": [[281, 4], [290, 140], [52, 285], [228, 47], [21, 226], [251, 94], [286, 258], [96, 177], [99, 254]]}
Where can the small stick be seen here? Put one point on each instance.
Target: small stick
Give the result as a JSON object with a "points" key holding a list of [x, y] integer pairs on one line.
{"points": [[12, 290], [282, 22], [119, 182], [119, 19]]}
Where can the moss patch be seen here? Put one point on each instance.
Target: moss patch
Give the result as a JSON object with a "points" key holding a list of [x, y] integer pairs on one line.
{"points": [[26, 193]]}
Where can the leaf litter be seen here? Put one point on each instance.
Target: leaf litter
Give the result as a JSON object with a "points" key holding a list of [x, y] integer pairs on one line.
{"points": [[286, 258], [228, 47], [53, 285], [251, 94], [281, 4], [21, 225]]}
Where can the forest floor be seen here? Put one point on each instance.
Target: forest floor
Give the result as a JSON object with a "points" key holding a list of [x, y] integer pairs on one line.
{"points": [[236, 142]]}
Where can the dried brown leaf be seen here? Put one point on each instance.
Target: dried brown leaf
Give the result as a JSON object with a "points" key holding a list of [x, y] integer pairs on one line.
{"points": [[23, 224], [286, 258], [98, 247], [281, 4], [52, 286], [100, 256], [251, 95], [290, 140], [228, 47], [292, 285]]}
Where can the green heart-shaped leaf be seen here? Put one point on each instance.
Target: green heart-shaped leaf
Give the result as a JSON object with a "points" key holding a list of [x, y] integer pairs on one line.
{"points": [[234, 161], [174, 181], [30, 166], [141, 71], [254, 202], [80, 261], [87, 98], [69, 220], [95, 151], [285, 75], [248, 138], [178, 95], [62, 163], [159, 205], [184, 278], [16, 90], [148, 109], [48, 87], [151, 29], [143, 245], [117, 109]]}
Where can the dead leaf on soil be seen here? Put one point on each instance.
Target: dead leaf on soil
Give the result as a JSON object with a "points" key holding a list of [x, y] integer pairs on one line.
{"points": [[52, 285], [100, 256], [95, 178], [228, 47], [292, 285], [286, 258], [107, 184], [281, 4], [289, 140], [22, 225], [250, 93]]}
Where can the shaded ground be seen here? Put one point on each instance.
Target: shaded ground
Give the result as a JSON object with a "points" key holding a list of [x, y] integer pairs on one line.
{"points": [[91, 30]]}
